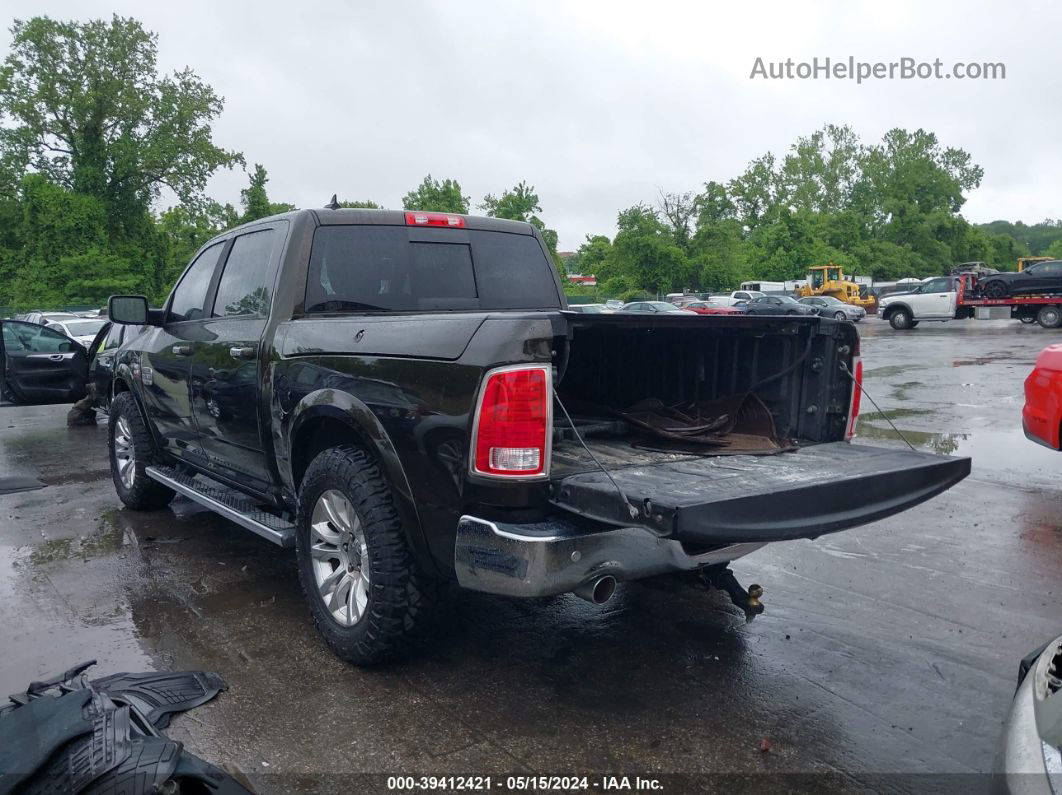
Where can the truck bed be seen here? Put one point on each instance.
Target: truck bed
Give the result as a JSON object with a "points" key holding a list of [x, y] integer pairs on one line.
{"points": [[706, 500]]}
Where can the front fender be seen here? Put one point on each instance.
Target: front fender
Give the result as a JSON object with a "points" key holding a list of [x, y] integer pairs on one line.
{"points": [[889, 309], [353, 413]]}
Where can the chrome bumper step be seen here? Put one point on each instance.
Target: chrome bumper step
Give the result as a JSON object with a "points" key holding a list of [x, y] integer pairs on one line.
{"points": [[230, 504]]}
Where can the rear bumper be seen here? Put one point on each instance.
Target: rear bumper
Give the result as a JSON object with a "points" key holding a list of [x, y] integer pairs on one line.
{"points": [[556, 557], [1027, 763]]}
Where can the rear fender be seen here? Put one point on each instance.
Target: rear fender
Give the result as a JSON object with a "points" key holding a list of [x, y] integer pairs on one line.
{"points": [[370, 433]]}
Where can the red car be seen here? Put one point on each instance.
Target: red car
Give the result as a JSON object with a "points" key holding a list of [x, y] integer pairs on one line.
{"points": [[712, 308], [1042, 415]]}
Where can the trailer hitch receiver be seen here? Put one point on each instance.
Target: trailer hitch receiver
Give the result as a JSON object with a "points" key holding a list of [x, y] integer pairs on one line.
{"points": [[723, 578]]}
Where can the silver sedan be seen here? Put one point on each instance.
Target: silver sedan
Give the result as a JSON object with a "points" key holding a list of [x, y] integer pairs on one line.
{"points": [[829, 306]]}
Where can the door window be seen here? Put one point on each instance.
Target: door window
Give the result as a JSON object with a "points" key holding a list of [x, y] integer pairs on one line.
{"points": [[937, 286], [246, 286], [191, 292], [31, 338]]}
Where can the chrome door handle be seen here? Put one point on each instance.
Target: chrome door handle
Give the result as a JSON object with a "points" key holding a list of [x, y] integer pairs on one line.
{"points": [[242, 352], [181, 350]]}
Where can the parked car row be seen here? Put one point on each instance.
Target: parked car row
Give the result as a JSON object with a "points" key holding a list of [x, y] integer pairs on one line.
{"points": [[755, 304]]}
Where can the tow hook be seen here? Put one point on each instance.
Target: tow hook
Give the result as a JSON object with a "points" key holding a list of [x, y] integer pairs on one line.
{"points": [[723, 578]]}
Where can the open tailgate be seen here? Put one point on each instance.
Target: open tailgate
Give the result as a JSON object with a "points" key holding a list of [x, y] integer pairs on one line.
{"points": [[801, 494]]}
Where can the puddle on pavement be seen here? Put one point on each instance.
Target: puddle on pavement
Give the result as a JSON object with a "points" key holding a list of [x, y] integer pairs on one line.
{"points": [[1002, 453], [899, 391], [942, 443], [107, 538], [892, 414], [887, 370]]}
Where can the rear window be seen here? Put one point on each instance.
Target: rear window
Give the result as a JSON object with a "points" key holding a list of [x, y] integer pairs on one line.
{"points": [[376, 268]]}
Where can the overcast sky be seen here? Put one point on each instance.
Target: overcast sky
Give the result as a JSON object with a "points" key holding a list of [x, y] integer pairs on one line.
{"points": [[597, 104]]}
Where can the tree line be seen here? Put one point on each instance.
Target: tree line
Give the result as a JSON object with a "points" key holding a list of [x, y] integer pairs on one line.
{"points": [[92, 136], [889, 210]]}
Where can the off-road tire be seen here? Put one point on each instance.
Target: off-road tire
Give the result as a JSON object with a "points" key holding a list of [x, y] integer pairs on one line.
{"points": [[402, 599], [144, 494], [901, 320], [1049, 316]]}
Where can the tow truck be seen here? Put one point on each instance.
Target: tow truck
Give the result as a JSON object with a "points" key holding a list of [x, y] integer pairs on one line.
{"points": [[957, 298]]}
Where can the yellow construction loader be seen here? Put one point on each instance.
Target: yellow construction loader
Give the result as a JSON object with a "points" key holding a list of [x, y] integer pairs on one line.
{"points": [[830, 280], [1024, 262]]}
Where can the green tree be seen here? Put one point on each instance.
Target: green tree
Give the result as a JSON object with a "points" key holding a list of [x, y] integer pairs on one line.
{"points": [[435, 196], [517, 204], [83, 104], [360, 205], [679, 211], [1055, 249], [645, 251], [255, 200]]}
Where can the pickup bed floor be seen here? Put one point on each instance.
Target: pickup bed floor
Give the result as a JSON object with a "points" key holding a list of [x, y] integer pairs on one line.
{"points": [[715, 499]]}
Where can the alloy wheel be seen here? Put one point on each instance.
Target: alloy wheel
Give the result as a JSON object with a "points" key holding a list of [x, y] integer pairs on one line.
{"points": [[124, 453], [340, 558]]}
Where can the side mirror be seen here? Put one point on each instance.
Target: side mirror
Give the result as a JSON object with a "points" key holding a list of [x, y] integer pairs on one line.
{"points": [[129, 310]]}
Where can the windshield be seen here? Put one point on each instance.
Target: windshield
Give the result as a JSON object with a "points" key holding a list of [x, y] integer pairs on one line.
{"points": [[83, 328]]}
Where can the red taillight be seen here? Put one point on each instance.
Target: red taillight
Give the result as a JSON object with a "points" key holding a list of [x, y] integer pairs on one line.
{"points": [[857, 393], [434, 219], [511, 434]]}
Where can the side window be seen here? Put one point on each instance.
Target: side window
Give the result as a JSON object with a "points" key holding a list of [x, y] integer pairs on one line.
{"points": [[12, 342], [35, 339], [936, 286], [190, 295], [246, 286], [742, 296]]}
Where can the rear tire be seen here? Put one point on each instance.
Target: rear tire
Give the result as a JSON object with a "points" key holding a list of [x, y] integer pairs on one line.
{"points": [[368, 596], [1049, 316], [996, 289], [131, 451], [901, 320]]}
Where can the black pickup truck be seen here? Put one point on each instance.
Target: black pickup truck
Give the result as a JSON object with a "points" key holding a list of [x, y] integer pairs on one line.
{"points": [[404, 398]]}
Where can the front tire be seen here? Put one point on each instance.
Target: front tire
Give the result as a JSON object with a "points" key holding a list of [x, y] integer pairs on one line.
{"points": [[901, 320], [131, 452], [368, 597], [840, 316]]}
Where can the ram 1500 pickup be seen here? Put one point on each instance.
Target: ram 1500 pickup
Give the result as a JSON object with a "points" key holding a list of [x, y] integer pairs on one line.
{"points": [[404, 398]]}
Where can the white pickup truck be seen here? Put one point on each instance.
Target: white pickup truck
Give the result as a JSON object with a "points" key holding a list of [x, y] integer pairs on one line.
{"points": [[933, 299], [729, 299]]}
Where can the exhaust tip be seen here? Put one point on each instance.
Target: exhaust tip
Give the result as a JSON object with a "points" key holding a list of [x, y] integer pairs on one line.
{"points": [[597, 591]]}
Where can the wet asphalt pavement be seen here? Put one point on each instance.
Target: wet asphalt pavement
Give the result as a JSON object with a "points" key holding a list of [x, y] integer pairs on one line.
{"points": [[886, 653]]}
